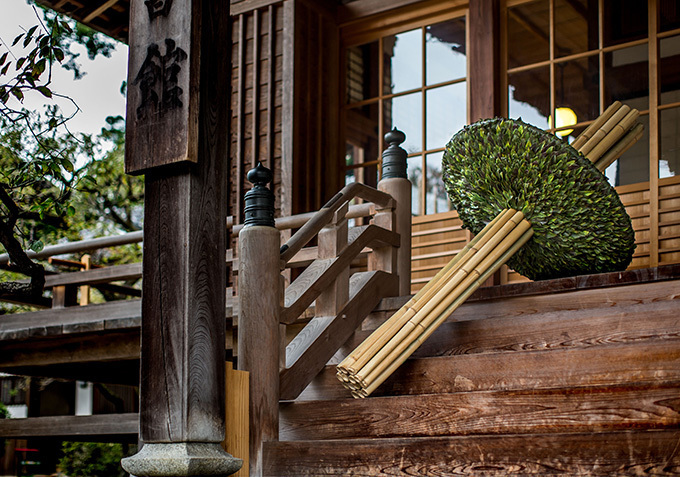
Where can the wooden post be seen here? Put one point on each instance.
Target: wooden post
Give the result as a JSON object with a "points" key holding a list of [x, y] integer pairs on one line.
{"points": [[259, 312], [332, 240], [394, 181], [177, 135], [86, 260]]}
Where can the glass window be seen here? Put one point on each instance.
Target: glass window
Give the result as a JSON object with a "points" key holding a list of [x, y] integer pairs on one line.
{"points": [[403, 55], [445, 51], [669, 15], [528, 33], [422, 92], [626, 74], [669, 69], [577, 88], [446, 113], [576, 27], [669, 161], [625, 20], [529, 96]]}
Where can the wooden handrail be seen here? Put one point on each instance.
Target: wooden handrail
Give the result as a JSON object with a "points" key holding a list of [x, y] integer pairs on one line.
{"points": [[82, 245], [356, 211], [325, 214]]}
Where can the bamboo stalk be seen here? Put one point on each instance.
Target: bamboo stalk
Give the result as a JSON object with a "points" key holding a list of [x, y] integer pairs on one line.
{"points": [[620, 147], [614, 135], [418, 328], [604, 130], [452, 307], [597, 124], [366, 351], [433, 303]]}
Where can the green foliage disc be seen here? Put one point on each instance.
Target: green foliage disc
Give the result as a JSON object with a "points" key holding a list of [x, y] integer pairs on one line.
{"points": [[580, 225]]}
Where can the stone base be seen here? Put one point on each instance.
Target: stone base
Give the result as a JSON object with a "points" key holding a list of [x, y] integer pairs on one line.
{"points": [[181, 459]]}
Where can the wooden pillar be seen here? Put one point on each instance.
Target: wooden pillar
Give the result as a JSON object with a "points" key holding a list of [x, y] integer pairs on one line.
{"points": [[177, 135], [259, 312], [394, 181], [484, 60]]}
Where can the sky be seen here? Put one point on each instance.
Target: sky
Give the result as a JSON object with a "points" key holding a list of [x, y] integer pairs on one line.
{"points": [[97, 94]]}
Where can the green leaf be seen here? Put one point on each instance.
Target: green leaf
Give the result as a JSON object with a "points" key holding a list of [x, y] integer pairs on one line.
{"points": [[37, 246], [66, 164], [17, 94], [58, 54], [70, 211], [45, 92], [20, 63], [3, 58], [4, 70], [17, 39]]}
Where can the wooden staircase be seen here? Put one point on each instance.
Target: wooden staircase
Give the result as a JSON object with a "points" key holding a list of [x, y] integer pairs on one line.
{"points": [[577, 376]]}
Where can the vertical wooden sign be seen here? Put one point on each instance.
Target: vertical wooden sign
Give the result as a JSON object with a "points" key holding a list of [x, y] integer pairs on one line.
{"points": [[163, 70]]}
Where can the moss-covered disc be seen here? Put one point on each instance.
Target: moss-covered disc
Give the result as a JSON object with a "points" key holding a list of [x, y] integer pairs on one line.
{"points": [[580, 225]]}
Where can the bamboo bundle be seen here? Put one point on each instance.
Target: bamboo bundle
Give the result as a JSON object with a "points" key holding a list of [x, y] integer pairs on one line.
{"points": [[391, 344], [610, 135]]}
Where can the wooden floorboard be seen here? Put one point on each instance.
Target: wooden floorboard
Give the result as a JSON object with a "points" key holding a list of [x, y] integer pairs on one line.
{"points": [[484, 412], [643, 362], [620, 453]]}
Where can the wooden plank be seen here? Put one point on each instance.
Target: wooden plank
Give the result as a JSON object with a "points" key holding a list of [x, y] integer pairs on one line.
{"points": [[162, 38], [250, 5], [52, 322], [307, 354], [642, 363], [484, 65], [507, 412], [72, 426], [236, 441], [95, 276], [550, 330], [70, 349], [620, 453]]}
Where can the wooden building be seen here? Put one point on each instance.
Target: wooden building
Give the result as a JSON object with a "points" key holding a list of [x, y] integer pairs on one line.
{"points": [[576, 376]]}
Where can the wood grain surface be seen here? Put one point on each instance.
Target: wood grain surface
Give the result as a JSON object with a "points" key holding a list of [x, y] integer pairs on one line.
{"points": [[618, 453]]}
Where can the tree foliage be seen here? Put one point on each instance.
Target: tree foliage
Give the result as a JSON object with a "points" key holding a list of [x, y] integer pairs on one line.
{"points": [[47, 174], [91, 459]]}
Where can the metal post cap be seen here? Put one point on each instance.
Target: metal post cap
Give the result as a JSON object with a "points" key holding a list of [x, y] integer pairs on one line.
{"points": [[259, 201], [394, 157]]}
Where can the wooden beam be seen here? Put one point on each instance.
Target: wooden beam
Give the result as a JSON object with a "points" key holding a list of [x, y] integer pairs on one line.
{"points": [[109, 425], [99, 10], [71, 349], [483, 60], [118, 314]]}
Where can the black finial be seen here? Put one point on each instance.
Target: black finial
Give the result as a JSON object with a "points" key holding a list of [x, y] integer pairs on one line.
{"points": [[259, 201], [394, 157]]}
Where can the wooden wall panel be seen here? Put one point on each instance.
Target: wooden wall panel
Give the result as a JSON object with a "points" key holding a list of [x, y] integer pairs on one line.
{"points": [[257, 97], [316, 163]]}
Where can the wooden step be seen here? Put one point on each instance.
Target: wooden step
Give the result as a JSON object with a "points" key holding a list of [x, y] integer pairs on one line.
{"points": [[644, 362], [633, 452], [551, 322], [592, 409]]}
